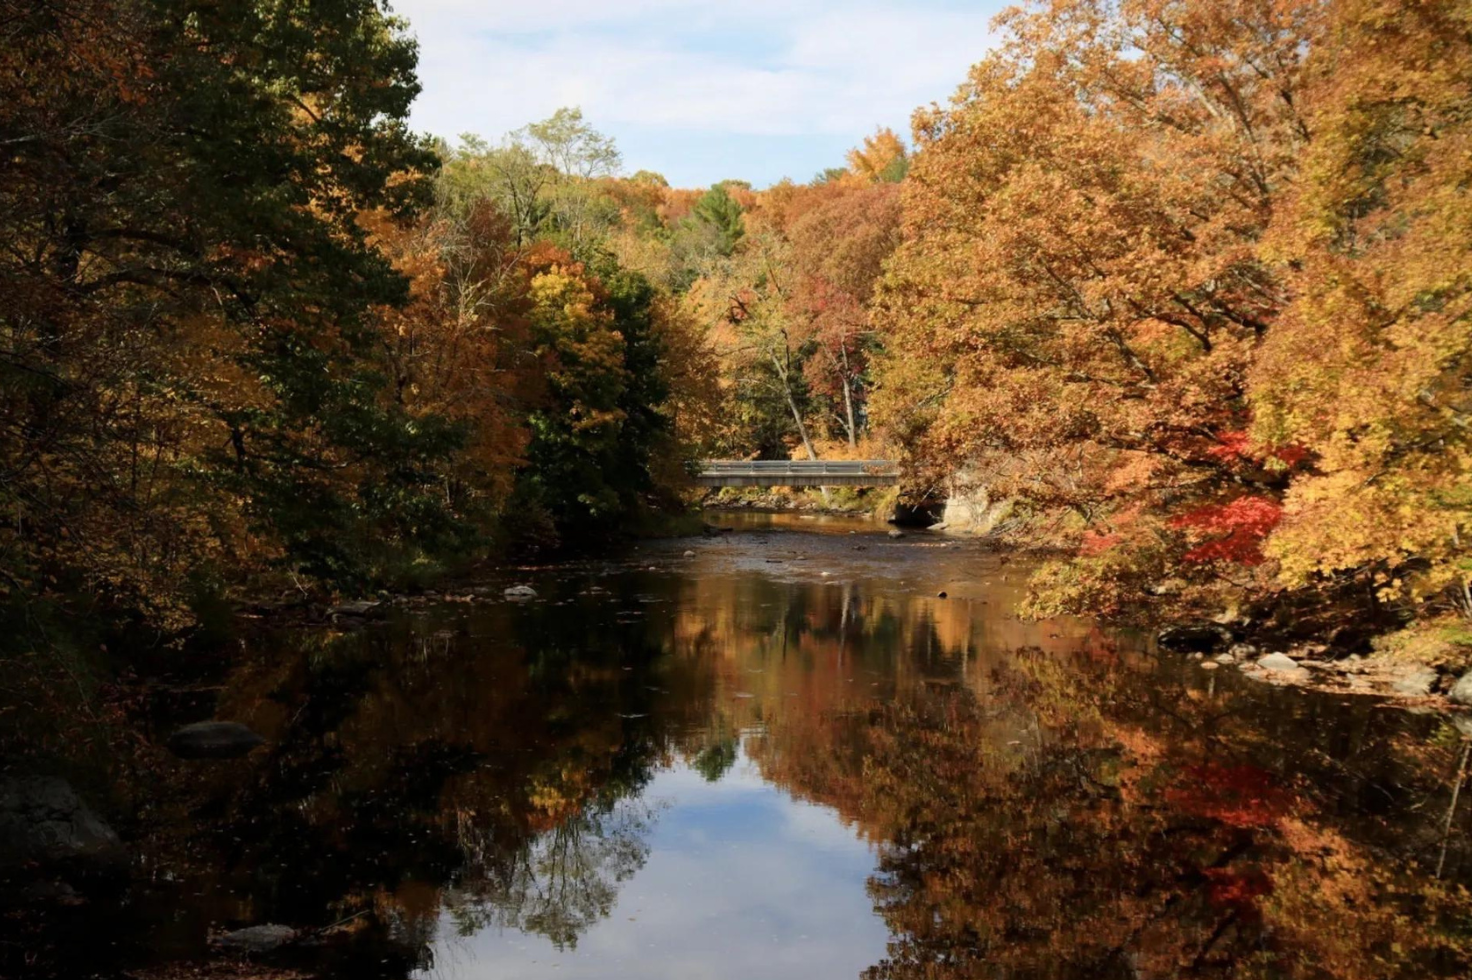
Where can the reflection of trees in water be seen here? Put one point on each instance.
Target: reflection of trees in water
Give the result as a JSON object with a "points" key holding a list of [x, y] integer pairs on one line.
{"points": [[1034, 815], [716, 759], [1117, 841], [563, 880]]}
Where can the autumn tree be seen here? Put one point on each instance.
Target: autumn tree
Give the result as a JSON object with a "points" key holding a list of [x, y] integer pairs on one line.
{"points": [[1369, 365], [1082, 284], [190, 354]]}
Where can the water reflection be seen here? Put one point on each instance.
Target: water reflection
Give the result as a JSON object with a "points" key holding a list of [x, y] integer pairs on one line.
{"points": [[785, 757]]}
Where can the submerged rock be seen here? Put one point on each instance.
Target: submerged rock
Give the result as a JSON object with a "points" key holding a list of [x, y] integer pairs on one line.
{"points": [[1202, 638], [256, 939], [213, 740], [896, 533], [520, 593], [43, 821], [689, 554]]}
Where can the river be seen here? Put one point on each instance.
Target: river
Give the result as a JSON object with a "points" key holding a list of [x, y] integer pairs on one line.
{"points": [[786, 756]]}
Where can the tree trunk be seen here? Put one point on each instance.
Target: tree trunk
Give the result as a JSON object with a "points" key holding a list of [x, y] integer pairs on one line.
{"points": [[848, 401], [802, 429]]}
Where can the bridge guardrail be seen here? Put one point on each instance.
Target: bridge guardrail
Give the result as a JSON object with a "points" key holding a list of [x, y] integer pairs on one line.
{"points": [[793, 472]]}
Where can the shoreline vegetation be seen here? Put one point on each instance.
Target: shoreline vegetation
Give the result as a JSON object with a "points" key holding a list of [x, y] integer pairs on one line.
{"points": [[1179, 292]]}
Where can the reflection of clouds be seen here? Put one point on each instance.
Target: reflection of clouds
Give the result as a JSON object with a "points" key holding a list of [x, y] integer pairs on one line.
{"points": [[741, 881]]}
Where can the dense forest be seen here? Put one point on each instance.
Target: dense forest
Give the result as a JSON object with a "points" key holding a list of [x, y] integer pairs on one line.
{"points": [[1182, 287]]}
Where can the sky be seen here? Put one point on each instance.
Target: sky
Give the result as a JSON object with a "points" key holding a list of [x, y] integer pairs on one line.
{"points": [[740, 880], [698, 90]]}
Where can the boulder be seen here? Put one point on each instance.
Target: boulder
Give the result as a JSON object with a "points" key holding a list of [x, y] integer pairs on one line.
{"points": [[213, 740], [1278, 668], [1415, 681], [256, 939], [1461, 691], [1278, 661], [520, 593], [1201, 638], [363, 607], [43, 821]]}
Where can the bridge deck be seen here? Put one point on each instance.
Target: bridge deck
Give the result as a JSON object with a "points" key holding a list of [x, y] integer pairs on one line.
{"points": [[798, 473]]}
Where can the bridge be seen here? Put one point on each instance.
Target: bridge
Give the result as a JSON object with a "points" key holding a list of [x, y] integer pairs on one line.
{"points": [[798, 473]]}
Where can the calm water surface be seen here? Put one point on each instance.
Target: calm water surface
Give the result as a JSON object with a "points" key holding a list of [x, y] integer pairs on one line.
{"points": [[786, 756]]}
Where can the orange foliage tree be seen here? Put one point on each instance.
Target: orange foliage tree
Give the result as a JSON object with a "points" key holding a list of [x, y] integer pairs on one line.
{"points": [[1203, 267]]}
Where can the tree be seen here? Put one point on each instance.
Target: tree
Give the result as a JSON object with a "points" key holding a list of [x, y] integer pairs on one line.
{"points": [[881, 159], [1067, 297], [1369, 365], [191, 383]]}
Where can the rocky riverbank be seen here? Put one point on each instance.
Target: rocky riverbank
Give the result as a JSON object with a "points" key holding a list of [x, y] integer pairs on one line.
{"points": [[1313, 665]]}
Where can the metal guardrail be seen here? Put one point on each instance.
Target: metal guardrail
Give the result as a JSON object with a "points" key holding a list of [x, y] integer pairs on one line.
{"points": [[798, 473]]}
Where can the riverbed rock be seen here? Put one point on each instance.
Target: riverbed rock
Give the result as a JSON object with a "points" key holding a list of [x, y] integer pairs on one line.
{"points": [[895, 532], [213, 740], [1198, 638], [1278, 661], [256, 939], [689, 554], [1277, 668], [1415, 682], [520, 593], [364, 607], [1461, 691], [44, 822]]}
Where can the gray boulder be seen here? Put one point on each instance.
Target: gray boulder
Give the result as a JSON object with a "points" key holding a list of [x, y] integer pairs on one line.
{"points": [[1278, 668], [256, 939], [520, 593], [213, 740], [43, 821], [1461, 691], [363, 607], [1278, 661]]}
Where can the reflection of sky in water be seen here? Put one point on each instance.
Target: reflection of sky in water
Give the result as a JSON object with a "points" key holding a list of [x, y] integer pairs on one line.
{"points": [[741, 881]]}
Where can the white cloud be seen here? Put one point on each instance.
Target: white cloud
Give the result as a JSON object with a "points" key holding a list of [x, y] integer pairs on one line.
{"points": [[761, 68]]}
